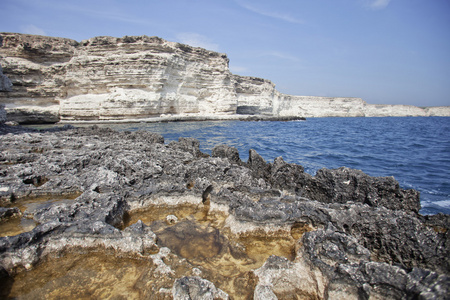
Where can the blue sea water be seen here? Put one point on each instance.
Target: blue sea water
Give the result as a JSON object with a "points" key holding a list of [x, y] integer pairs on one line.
{"points": [[415, 150]]}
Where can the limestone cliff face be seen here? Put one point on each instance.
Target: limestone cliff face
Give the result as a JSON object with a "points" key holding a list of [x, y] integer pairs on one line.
{"points": [[106, 78], [255, 95], [310, 106], [406, 110], [136, 77], [307, 106], [2, 114], [114, 78], [35, 66], [5, 86], [5, 83]]}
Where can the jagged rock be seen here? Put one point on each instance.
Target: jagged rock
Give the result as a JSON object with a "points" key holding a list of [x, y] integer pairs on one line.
{"points": [[195, 287], [328, 248], [27, 249], [107, 208], [378, 280], [279, 279], [5, 83], [345, 273], [189, 145], [225, 151], [335, 186], [392, 236], [347, 246], [257, 164], [264, 292], [345, 184], [9, 212]]}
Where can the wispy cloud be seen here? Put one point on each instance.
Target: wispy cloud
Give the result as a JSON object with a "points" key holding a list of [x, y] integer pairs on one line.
{"points": [[197, 40], [268, 13], [378, 4], [33, 29], [108, 14], [238, 69], [282, 55]]}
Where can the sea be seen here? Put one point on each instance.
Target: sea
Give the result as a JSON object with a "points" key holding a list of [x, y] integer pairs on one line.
{"points": [[415, 150]]}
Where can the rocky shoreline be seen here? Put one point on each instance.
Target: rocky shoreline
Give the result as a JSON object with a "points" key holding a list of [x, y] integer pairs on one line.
{"points": [[191, 118], [122, 214]]}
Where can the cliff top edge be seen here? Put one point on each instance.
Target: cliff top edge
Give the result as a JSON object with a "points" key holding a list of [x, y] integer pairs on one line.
{"points": [[14, 38]]}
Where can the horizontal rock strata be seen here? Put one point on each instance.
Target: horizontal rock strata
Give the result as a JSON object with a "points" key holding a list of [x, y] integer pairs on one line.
{"points": [[5, 82], [2, 114], [354, 236], [141, 77]]}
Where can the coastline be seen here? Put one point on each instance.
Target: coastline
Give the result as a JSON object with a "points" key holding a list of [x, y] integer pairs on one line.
{"points": [[48, 79], [125, 213], [127, 197], [187, 118]]}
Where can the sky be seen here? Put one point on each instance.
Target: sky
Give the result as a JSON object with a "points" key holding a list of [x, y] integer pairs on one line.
{"points": [[383, 51]]}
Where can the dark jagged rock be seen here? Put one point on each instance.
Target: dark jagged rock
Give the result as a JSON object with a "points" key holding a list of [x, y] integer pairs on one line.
{"points": [[391, 236], [287, 176], [258, 165], [225, 151], [107, 208], [335, 186], [360, 237], [56, 236], [9, 212], [189, 145], [344, 184], [345, 260]]}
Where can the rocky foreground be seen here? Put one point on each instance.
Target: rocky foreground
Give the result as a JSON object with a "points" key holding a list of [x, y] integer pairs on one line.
{"points": [[123, 215]]}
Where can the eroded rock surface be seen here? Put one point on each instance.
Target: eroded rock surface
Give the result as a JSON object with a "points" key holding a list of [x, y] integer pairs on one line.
{"points": [[5, 82], [196, 288], [352, 236], [2, 114]]}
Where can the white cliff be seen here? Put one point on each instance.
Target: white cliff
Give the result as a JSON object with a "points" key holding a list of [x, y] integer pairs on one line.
{"points": [[2, 114], [310, 106], [5, 83], [136, 78], [5, 86]]}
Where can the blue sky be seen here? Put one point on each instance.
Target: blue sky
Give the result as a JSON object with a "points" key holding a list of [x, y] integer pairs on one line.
{"points": [[384, 51]]}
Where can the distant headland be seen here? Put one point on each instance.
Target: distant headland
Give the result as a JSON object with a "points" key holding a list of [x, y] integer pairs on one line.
{"points": [[140, 78]]}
